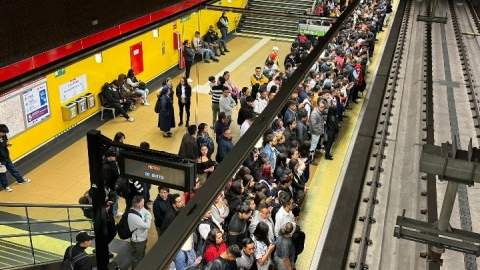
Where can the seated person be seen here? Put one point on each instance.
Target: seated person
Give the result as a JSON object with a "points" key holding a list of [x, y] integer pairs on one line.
{"points": [[220, 41], [116, 100], [125, 90], [209, 39], [136, 85], [200, 46], [303, 40]]}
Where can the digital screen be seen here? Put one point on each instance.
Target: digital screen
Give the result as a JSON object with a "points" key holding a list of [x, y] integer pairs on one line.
{"points": [[154, 172]]}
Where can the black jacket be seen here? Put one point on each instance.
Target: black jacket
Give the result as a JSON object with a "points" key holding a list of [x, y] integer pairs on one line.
{"points": [[160, 209], [110, 173], [188, 53], [245, 110], [169, 218], [237, 231], [4, 153], [113, 96], [188, 147], [86, 263], [188, 93]]}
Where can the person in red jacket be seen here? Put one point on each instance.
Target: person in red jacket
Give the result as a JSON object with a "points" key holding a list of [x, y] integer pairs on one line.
{"points": [[215, 245]]}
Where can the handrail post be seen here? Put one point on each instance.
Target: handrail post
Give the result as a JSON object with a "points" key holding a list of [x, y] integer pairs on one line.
{"points": [[69, 225], [30, 234]]}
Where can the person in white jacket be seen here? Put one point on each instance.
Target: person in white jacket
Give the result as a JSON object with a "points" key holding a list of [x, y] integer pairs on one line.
{"points": [[139, 221], [134, 84]]}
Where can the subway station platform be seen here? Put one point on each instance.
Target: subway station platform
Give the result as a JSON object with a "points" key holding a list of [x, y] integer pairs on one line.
{"points": [[64, 177]]}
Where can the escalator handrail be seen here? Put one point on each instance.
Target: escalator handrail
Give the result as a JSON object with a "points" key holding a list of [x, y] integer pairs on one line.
{"points": [[45, 205]]}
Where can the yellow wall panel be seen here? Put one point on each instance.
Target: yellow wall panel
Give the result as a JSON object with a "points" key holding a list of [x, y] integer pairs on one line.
{"points": [[116, 60]]}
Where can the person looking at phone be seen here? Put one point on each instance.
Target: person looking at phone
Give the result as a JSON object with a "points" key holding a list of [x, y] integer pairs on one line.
{"points": [[6, 164], [186, 257]]}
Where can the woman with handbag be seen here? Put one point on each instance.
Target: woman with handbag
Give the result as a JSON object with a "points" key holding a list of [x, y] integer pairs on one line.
{"points": [[138, 86], [184, 94], [230, 84], [263, 247]]}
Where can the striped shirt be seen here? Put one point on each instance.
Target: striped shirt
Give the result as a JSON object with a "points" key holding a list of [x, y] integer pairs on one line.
{"points": [[216, 93]]}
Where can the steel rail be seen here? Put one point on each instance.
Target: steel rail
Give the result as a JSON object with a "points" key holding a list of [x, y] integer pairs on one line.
{"points": [[467, 71], [364, 241]]}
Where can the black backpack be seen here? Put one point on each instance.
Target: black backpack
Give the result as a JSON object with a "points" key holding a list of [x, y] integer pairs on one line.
{"points": [[123, 229], [86, 199], [219, 24], [122, 187], [69, 263]]}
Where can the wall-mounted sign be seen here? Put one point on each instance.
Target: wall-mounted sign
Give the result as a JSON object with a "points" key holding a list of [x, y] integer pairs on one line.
{"points": [[35, 103], [314, 30], [73, 88], [186, 18], [59, 72], [174, 24]]}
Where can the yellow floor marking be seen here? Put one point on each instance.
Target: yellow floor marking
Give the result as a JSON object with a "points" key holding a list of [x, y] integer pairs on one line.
{"points": [[322, 184]]}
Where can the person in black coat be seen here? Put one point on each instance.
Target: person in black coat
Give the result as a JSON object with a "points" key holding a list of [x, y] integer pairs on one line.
{"points": [[5, 161], [184, 94], [117, 100], [246, 110], [238, 228], [225, 144], [177, 204], [110, 169], [166, 117], [160, 207], [333, 127], [84, 262], [189, 55], [188, 146]]}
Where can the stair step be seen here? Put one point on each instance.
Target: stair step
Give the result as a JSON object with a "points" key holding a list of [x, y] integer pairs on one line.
{"points": [[273, 20], [269, 7], [272, 29], [267, 34], [293, 27], [306, 3]]}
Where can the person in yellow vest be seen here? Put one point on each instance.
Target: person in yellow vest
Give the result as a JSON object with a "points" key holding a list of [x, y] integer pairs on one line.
{"points": [[257, 80]]}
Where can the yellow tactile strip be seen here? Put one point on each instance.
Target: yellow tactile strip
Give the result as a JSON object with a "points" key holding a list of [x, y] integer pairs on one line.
{"points": [[322, 184]]}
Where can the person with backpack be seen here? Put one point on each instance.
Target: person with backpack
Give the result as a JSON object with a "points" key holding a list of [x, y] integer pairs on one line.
{"points": [[76, 258], [207, 224], [139, 221]]}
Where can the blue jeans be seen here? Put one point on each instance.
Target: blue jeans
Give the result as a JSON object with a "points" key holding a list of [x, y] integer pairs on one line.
{"points": [[208, 53], [115, 206], [13, 171], [224, 31], [315, 140], [144, 94]]}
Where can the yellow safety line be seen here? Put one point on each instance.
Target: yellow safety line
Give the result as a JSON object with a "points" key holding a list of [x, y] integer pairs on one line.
{"points": [[322, 184], [42, 254]]}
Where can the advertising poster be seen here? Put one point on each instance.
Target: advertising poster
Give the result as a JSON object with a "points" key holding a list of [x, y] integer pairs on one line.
{"points": [[35, 103]]}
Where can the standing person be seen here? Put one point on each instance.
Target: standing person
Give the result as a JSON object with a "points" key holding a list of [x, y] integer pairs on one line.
{"points": [[146, 186], [110, 175], [214, 245], [284, 257], [166, 117], [139, 221], [203, 138], [176, 204], [189, 55], [223, 23], [237, 228], [225, 144], [261, 102], [205, 166], [184, 94], [227, 260], [137, 86], [316, 126], [227, 103], [230, 84], [76, 256], [264, 247], [6, 162], [160, 207], [247, 259], [245, 110], [217, 91], [333, 127], [188, 146]]}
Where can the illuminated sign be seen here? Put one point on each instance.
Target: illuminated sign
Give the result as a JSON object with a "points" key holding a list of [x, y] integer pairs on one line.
{"points": [[177, 174]]}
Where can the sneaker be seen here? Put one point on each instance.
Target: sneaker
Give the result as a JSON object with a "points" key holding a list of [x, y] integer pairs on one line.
{"points": [[26, 181], [189, 80], [8, 189], [216, 60], [146, 104], [119, 214], [131, 119], [226, 50], [206, 61]]}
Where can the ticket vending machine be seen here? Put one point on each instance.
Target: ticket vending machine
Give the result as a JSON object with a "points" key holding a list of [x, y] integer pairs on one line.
{"points": [[178, 45]]}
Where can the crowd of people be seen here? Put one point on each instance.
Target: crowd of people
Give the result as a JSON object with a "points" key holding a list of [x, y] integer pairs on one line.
{"points": [[252, 224]]}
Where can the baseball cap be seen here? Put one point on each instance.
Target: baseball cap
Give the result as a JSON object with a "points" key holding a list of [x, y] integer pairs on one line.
{"points": [[110, 153], [275, 48], [84, 236]]}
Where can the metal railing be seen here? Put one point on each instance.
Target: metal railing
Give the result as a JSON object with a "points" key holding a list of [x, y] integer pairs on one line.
{"points": [[27, 220]]}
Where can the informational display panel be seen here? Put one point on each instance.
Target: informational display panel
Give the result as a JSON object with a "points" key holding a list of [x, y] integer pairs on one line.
{"points": [[73, 88], [25, 107]]}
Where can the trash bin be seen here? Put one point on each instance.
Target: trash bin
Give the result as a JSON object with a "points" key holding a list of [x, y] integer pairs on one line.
{"points": [[90, 100], [69, 111], [81, 104]]}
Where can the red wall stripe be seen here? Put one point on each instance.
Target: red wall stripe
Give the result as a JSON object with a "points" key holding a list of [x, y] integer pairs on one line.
{"points": [[31, 63]]}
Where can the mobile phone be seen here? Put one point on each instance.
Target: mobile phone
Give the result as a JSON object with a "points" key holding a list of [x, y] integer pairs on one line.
{"points": [[199, 258]]}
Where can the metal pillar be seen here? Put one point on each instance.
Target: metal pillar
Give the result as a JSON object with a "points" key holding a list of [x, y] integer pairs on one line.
{"points": [[94, 147]]}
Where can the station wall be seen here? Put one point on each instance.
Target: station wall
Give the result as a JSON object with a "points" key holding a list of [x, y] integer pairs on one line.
{"points": [[116, 60]]}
